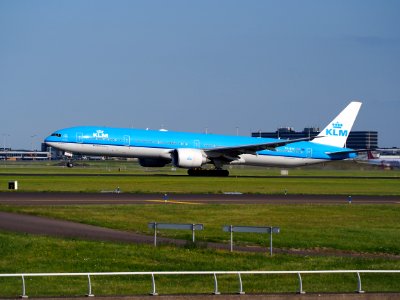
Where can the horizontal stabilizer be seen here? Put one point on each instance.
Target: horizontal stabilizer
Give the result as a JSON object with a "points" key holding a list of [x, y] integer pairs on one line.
{"points": [[347, 152]]}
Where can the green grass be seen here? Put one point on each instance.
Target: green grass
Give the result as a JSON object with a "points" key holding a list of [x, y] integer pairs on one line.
{"points": [[362, 229], [35, 254], [186, 184], [359, 228], [131, 178]]}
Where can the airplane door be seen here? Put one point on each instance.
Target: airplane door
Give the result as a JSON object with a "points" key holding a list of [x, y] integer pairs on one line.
{"points": [[79, 137], [196, 143], [309, 152], [127, 140]]}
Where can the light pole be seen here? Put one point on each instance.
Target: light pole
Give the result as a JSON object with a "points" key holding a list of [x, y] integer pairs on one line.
{"points": [[32, 136], [4, 145], [4, 140]]}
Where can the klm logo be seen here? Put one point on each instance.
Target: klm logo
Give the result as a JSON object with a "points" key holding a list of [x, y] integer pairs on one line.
{"points": [[99, 134], [337, 125], [336, 130]]}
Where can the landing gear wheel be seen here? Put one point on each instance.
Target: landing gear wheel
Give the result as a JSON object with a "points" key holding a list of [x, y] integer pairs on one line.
{"points": [[70, 164]]}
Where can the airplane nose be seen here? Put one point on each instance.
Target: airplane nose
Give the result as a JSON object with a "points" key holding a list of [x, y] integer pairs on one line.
{"points": [[47, 139], [47, 142], [50, 139]]}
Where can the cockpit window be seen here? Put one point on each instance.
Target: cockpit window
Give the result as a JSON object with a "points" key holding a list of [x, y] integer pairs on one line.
{"points": [[56, 134]]}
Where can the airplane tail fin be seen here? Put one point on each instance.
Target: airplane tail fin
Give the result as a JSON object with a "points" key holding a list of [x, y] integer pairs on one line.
{"points": [[337, 131], [372, 154]]}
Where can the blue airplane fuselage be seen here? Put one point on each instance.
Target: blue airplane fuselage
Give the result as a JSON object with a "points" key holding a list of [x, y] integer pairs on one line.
{"points": [[156, 148]]}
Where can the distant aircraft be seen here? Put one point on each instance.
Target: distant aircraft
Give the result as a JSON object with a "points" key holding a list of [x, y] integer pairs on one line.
{"points": [[192, 151], [385, 161]]}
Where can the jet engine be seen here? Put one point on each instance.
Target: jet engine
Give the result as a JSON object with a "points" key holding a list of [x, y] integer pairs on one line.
{"points": [[188, 158]]}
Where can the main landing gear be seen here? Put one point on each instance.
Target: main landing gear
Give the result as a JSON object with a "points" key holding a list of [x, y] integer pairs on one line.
{"points": [[70, 164], [208, 173]]}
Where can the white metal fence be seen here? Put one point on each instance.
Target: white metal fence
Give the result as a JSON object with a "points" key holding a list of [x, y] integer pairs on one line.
{"points": [[213, 273]]}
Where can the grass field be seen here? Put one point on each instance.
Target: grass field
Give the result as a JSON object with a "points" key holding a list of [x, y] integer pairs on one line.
{"points": [[42, 254], [348, 178], [364, 230], [186, 184], [339, 227]]}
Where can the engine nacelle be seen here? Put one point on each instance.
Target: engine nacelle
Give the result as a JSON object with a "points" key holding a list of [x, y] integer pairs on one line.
{"points": [[188, 158], [153, 162]]}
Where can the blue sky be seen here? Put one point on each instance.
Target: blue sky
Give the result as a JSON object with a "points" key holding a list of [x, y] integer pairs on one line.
{"points": [[192, 65]]}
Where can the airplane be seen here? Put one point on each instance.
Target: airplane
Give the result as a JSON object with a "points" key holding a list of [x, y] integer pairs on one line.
{"points": [[157, 148], [381, 159]]}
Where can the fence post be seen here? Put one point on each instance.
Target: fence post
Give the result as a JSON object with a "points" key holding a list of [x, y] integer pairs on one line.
{"points": [[300, 291], [89, 294], [23, 288], [241, 292], [155, 234], [270, 242], [231, 230], [153, 285], [359, 289], [216, 292]]}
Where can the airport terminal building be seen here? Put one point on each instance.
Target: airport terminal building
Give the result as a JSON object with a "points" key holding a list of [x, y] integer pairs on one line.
{"points": [[356, 139], [8, 154]]}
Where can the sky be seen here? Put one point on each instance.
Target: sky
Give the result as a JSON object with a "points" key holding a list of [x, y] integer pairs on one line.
{"points": [[224, 66]]}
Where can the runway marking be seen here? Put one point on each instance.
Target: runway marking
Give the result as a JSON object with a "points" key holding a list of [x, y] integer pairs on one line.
{"points": [[175, 202]]}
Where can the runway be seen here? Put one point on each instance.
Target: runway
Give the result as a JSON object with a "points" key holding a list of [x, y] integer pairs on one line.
{"points": [[21, 198]]}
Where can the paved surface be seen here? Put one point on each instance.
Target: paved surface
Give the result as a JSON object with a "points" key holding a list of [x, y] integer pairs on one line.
{"points": [[20, 198]]}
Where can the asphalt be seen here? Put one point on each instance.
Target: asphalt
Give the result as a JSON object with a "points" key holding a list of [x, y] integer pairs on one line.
{"points": [[22, 198]]}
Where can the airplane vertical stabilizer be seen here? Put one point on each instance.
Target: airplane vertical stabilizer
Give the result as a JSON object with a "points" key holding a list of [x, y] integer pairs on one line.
{"points": [[337, 131]]}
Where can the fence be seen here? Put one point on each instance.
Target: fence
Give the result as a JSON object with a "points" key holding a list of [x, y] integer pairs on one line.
{"points": [[231, 228], [213, 273], [192, 227], [251, 229]]}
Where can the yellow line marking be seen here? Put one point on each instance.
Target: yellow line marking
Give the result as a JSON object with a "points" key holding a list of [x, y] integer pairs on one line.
{"points": [[174, 202], [77, 201]]}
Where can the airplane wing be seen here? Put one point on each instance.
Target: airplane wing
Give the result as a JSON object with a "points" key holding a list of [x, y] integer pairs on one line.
{"points": [[233, 152]]}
